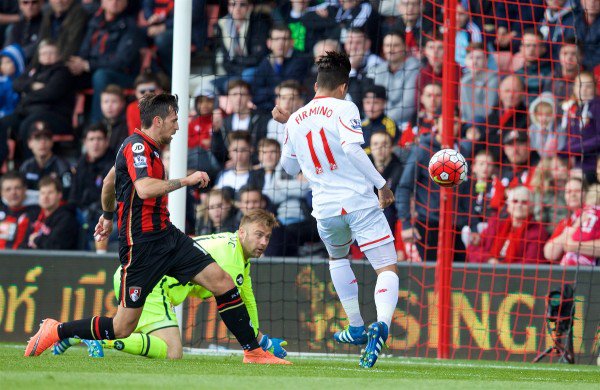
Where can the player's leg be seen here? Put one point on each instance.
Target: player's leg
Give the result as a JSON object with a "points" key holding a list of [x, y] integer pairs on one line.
{"points": [[375, 239], [195, 264], [161, 344], [337, 237], [137, 281]]}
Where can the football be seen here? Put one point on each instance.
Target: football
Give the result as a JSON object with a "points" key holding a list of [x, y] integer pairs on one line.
{"points": [[448, 168]]}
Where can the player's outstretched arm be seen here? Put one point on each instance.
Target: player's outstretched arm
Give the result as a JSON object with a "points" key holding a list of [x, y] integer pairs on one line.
{"points": [[148, 187]]}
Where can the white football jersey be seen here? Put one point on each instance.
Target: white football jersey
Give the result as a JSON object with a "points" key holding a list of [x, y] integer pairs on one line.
{"points": [[314, 136]]}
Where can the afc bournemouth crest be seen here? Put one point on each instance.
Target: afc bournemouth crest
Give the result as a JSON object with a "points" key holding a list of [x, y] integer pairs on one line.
{"points": [[135, 293]]}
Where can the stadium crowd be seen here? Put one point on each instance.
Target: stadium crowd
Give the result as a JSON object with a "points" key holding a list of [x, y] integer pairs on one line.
{"points": [[527, 116]]}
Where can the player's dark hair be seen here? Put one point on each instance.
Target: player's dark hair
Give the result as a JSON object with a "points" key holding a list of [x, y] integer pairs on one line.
{"points": [[334, 70], [160, 105], [98, 126], [12, 175], [50, 181]]}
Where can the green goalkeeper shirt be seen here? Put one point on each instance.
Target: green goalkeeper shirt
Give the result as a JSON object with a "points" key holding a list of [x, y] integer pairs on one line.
{"points": [[227, 251]]}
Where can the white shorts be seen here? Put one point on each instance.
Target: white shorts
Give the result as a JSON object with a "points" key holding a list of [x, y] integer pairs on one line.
{"points": [[368, 227]]}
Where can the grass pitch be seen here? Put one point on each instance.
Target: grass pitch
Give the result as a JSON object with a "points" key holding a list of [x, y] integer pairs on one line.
{"points": [[75, 370]]}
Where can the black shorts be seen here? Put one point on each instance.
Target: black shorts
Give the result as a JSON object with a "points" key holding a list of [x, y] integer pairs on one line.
{"points": [[144, 264]]}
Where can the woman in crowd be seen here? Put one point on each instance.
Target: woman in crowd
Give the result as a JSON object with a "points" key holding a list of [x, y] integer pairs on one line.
{"points": [[516, 239], [216, 214]]}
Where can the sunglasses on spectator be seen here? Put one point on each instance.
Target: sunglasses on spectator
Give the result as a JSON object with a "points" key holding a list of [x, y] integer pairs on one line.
{"points": [[147, 90]]}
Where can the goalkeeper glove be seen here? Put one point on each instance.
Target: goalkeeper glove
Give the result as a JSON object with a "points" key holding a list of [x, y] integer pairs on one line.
{"points": [[273, 345]]}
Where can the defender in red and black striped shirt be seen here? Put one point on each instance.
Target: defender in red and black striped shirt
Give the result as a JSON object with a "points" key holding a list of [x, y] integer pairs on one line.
{"points": [[149, 245]]}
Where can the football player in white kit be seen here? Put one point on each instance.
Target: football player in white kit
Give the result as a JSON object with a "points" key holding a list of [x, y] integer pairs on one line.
{"points": [[323, 140]]}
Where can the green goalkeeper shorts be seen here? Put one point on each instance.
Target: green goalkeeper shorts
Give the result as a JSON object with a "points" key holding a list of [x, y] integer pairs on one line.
{"points": [[158, 313]]}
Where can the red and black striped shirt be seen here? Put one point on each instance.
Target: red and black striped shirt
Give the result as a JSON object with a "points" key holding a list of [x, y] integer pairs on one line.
{"points": [[15, 226], [140, 220]]}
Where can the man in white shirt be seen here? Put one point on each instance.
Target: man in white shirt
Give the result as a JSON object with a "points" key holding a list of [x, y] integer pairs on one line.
{"points": [[323, 139]]}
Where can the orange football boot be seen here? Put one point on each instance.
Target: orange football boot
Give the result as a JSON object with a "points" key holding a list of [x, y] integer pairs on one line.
{"points": [[258, 356], [44, 338]]}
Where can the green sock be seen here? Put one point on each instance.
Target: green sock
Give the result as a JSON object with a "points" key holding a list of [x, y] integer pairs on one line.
{"points": [[140, 344]]}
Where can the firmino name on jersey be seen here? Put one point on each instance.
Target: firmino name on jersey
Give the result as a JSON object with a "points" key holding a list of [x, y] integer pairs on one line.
{"points": [[318, 110]]}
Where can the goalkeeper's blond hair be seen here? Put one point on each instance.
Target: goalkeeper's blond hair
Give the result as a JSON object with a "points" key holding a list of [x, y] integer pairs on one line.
{"points": [[261, 216]]}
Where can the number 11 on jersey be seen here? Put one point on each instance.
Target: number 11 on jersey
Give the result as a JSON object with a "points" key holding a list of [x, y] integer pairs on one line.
{"points": [[327, 150]]}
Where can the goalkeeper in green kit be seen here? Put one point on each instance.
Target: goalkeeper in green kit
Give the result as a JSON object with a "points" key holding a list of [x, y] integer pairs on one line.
{"points": [[157, 333]]}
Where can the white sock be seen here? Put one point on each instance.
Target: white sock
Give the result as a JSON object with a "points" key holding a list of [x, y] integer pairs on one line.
{"points": [[386, 296], [346, 287]]}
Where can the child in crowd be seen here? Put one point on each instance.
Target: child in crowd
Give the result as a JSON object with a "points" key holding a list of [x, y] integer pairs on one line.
{"points": [[200, 127], [374, 102], [587, 229], [544, 136], [12, 64]]}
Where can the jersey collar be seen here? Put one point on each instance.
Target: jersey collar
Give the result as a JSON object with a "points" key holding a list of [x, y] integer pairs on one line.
{"points": [[146, 137]]}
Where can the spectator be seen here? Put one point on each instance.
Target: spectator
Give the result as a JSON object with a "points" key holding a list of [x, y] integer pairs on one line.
{"points": [[239, 151], [574, 193], [569, 66], [354, 14], [548, 185], [511, 113], [64, 21], [243, 117], [26, 32], [585, 230], [516, 239], [283, 63], [9, 13], [517, 165], [284, 191], [307, 25], [159, 15], [434, 60], [216, 214], [248, 199], [89, 174], [241, 38], [358, 46], [587, 29], [478, 87], [289, 97], [374, 102], [512, 19], [319, 50], [15, 217], [109, 53], [558, 24], [546, 138], [44, 162], [201, 125], [431, 103], [112, 105], [468, 33], [55, 226], [390, 167], [11, 66], [399, 75], [582, 123], [145, 83], [411, 24], [484, 170], [423, 231], [46, 95], [536, 69]]}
